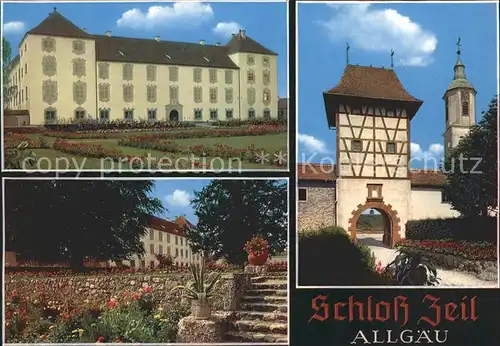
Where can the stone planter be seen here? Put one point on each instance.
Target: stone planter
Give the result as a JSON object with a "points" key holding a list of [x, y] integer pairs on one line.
{"points": [[257, 260], [200, 312]]}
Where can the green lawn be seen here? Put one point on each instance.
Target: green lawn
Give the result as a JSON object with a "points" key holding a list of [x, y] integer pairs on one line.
{"points": [[55, 160]]}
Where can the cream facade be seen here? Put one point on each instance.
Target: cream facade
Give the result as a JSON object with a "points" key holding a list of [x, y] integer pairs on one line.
{"points": [[62, 73]]}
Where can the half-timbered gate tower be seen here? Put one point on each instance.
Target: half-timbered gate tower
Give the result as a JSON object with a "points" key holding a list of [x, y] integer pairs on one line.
{"points": [[371, 112]]}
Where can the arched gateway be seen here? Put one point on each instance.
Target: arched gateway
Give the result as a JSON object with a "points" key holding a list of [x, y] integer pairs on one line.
{"points": [[392, 230]]}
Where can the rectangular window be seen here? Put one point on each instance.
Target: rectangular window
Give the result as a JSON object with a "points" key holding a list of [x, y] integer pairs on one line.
{"points": [[213, 75], [173, 74], [374, 191], [213, 95], [228, 76], [25, 68], [128, 115], [143, 264], [182, 253], [176, 252], [174, 94], [445, 197], [197, 75], [152, 235], [356, 145], [213, 114], [26, 93], [182, 241], [128, 72], [265, 61], [152, 248], [79, 114], [152, 264], [250, 77], [198, 114], [151, 73], [229, 95], [266, 77], [160, 236], [391, 147], [168, 238], [250, 60], [251, 114], [302, 195], [168, 250], [50, 115], [176, 240], [160, 249], [229, 114], [267, 114], [104, 114], [152, 117]]}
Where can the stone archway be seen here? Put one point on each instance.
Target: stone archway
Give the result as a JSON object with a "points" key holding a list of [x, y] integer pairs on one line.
{"points": [[174, 115], [391, 214]]}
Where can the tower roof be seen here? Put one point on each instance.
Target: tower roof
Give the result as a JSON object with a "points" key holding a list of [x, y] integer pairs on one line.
{"points": [[57, 25], [241, 43], [369, 85], [459, 79], [371, 82]]}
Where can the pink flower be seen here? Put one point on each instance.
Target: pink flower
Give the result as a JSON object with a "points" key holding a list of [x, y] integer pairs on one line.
{"points": [[100, 339], [112, 303], [148, 289]]}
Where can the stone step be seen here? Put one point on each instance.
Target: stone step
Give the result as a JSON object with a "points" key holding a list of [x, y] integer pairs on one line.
{"points": [[271, 292], [264, 307], [260, 326], [267, 285], [238, 336], [262, 278], [265, 298], [262, 316]]}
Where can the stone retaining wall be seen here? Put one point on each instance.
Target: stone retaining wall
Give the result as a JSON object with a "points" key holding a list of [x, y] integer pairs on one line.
{"points": [[97, 290]]}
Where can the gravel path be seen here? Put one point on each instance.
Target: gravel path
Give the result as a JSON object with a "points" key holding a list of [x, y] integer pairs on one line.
{"points": [[449, 278]]}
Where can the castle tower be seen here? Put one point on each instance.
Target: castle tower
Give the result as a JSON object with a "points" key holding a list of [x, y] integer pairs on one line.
{"points": [[371, 112], [460, 105]]}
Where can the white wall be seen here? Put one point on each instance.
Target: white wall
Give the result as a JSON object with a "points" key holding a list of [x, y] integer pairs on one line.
{"points": [[426, 204]]}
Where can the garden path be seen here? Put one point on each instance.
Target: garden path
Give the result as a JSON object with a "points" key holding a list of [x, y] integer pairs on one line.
{"points": [[449, 278]]}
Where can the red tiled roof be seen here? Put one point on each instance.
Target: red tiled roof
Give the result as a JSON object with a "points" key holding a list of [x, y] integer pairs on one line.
{"points": [[371, 82], [176, 228], [326, 172], [316, 171]]}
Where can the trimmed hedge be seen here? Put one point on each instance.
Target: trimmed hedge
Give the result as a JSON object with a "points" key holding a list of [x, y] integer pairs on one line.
{"points": [[257, 121], [456, 229], [328, 257]]}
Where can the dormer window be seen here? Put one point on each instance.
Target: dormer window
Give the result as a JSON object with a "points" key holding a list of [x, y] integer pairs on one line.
{"points": [[206, 59], [121, 53], [167, 56]]}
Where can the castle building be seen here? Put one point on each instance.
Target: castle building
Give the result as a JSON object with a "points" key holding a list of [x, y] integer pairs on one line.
{"points": [[166, 237], [371, 112], [64, 73]]}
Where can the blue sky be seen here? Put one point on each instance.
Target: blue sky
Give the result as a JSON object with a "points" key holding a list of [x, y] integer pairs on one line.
{"points": [[423, 37], [186, 22]]}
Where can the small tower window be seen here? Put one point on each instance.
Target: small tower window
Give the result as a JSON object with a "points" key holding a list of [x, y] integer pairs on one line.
{"points": [[465, 108], [391, 147], [302, 195], [356, 145]]}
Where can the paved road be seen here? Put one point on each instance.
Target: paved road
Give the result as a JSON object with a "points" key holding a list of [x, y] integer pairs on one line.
{"points": [[449, 278]]}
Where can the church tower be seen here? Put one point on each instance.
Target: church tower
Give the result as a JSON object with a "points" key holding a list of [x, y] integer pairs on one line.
{"points": [[371, 112], [460, 105]]}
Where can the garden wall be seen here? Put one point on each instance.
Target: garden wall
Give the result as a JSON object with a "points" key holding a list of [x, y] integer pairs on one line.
{"points": [[97, 290]]}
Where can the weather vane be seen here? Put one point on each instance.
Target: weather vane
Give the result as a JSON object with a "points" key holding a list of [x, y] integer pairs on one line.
{"points": [[459, 46], [392, 58], [347, 53]]}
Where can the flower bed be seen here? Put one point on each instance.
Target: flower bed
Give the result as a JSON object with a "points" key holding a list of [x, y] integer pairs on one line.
{"points": [[118, 125], [481, 251], [281, 266], [25, 129], [17, 140], [162, 145], [240, 123], [87, 150]]}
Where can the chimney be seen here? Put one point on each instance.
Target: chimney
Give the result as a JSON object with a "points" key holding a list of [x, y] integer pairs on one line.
{"points": [[108, 33], [217, 44], [202, 42], [233, 35], [157, 38], [243, 33], [84, 30]]}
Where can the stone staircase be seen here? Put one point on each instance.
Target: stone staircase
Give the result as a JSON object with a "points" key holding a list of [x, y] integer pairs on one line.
{"points": [[263, 314]]}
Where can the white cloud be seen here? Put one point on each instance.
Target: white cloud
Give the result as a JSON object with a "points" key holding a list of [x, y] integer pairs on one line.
{"points": [[435, 151], [179, 198], [380, 31], [13, 28], [225, 29], [312, 144], [179, 13]]}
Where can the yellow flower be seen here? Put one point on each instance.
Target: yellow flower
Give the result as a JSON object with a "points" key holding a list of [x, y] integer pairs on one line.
{"points": [[157, 316]]}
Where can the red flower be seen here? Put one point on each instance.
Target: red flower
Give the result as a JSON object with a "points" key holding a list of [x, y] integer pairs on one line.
{"points": [[137, 296], [112, 303], [148, 289], [100, 339]]}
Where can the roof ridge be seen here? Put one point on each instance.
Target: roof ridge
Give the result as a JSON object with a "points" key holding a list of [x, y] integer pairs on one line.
{"points": [[153, 39]]}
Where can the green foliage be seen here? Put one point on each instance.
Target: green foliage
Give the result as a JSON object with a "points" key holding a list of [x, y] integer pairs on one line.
{"points": [[471, 184], [231, 212], [60, 220], [20, 158], [327, 256], [456, 229], [8, 90], [202, 288], [371, 222], [412, 269]]}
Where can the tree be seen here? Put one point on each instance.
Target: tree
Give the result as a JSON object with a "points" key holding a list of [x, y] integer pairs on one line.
{"points": [[471, 167], [8, 90], [61, 220], [231, 212]]}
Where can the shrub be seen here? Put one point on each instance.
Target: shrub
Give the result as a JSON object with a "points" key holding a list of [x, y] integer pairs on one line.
{"points": [[92, 125], [327, 256], [480, 251], [457, 229], [164, 261], [258, 121]]}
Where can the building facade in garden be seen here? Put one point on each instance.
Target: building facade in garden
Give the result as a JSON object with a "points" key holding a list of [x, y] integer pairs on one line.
{"points": [[371, 112], [166, 237], [62, 73]]}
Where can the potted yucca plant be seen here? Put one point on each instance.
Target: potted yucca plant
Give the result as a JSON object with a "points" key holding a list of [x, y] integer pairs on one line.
{"points": [[200, 291]]}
